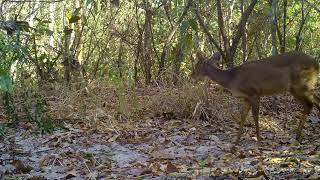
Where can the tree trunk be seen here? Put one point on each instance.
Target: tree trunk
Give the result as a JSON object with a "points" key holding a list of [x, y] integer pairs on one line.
{"points": [[52, 8], [147, 43], [119, 61], [78, 30], [284, 27], [138, 56], [244, 36], [67, 58], [274, 43], [229, 51], [178, 51], [226, 43], [139, 51], [302, 22], [274, 26]]}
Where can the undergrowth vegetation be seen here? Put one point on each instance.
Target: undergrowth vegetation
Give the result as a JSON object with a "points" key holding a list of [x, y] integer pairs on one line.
{"points": [[120, 107], [95, 103]]}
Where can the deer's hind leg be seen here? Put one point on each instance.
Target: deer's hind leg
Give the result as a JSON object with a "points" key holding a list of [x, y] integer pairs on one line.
{"points": [[307, 100], [255, 100]]}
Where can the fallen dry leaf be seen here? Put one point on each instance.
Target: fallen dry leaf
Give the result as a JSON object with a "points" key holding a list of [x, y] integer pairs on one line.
{"points": [[21, 167], [171, 168]]}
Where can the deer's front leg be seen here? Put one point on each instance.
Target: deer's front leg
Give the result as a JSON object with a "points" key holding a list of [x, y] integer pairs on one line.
{"points": [[307, 107], [255, 113], [244, 112]]}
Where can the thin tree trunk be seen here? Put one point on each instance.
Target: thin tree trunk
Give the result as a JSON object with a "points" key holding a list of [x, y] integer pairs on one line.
{"points": [[258, 47], [78, 30], [226, 44], [52, 8], [284, 27], [229, 52], [35, 5], [274, 43], [177, 63], [274, 26], [244, 37], [67, 55], [138, 57], [139, 51], [147, 42], [240, 28], [119, 61], [302, 22]]}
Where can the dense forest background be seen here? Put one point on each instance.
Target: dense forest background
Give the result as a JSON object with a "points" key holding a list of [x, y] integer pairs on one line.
{"points": [[118, 72], [140, 42]]}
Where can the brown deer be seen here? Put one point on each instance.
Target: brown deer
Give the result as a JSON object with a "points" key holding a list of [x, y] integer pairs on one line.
{"points": [[293, 72]]}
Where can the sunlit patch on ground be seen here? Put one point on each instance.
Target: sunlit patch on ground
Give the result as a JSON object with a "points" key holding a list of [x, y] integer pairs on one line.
{"points": [[270, 124]]}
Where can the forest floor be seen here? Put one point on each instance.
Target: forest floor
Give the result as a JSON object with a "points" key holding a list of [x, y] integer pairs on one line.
{"points": [[158, 133]]}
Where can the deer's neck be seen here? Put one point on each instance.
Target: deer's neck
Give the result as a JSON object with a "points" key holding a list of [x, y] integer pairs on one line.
{"points": [[222, 77]]}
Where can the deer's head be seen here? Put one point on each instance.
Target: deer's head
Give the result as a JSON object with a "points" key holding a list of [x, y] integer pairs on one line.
{"points": [[202, 62]]}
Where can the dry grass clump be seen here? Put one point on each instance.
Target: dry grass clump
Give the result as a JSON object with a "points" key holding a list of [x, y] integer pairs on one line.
{"points": [[118, 107], [201, 101]]}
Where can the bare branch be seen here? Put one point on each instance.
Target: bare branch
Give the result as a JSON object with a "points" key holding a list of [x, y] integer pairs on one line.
{"points": [[206, 31], [221, 26], [240, 27], [173, 31]]}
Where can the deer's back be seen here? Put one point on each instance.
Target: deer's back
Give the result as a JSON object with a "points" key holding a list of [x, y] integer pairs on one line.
{"points": [[276, 74]]}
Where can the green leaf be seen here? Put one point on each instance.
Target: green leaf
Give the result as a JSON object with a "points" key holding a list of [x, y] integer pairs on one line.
{"points": [[193, 24], [5, 83], [175, 2], [184, 27], [68, 15], [74, 19], [188, 41]]}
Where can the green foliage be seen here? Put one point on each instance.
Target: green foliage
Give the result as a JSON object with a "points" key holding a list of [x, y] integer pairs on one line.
{"points": [[193, 24], [37, 111], [5, 82], [11, 51], [42, 59], [102, 24], [122, 99], [41, 116], [10, 109], [202, 163], [184, 27], [41, 27]]}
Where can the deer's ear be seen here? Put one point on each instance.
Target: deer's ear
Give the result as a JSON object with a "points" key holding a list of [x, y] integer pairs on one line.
{"points": [[200, 56]]}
